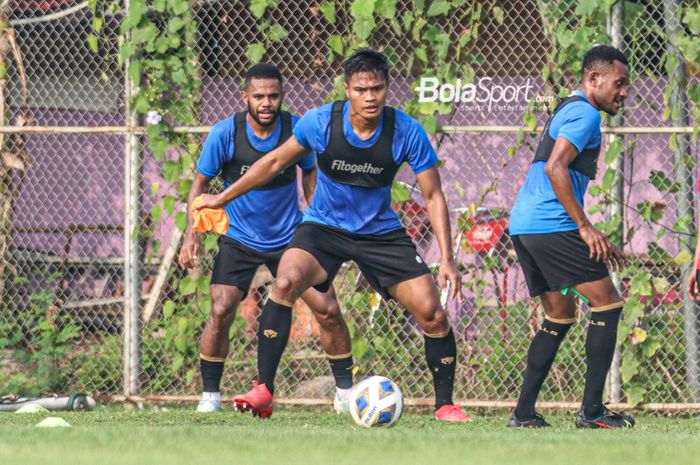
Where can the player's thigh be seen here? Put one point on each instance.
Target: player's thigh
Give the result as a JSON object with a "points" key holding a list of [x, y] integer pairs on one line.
{"points": [[320, 251], [420, 297], [600, 292], [299, 269]]}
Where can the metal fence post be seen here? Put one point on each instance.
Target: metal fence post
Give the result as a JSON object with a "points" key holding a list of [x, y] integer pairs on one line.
{"points": [[616, 31], [683, 176], [132, 255]]}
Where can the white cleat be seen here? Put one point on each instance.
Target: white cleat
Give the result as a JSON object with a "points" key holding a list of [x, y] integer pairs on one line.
{"points": [[209, 403], [341, 406]]}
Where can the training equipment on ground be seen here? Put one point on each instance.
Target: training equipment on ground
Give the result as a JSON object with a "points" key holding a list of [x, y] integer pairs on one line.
{"points": [[376, 401], [75, 402], [31, 408], [53, 422]]}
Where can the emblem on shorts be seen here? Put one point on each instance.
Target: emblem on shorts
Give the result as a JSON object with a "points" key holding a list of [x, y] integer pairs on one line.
{"points": [[418, 259], [270, 333], [447, 360]]}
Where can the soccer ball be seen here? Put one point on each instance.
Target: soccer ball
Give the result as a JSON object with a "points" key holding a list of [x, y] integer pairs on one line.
{"points": [[376, 401]]}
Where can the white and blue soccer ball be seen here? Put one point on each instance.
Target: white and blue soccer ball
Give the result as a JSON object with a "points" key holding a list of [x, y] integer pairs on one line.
{"points": [[376, 402]]}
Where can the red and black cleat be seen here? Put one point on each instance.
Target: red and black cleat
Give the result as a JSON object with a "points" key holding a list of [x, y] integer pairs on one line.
{"points": [[258, 401], [608, 420]]}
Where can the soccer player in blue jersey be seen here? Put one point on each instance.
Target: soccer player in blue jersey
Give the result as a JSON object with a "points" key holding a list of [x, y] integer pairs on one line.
{"points": [[560, 249], [361, 143], [261, 225]]}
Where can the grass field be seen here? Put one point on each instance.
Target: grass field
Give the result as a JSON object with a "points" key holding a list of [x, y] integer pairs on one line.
{"points": [[114, 435]]}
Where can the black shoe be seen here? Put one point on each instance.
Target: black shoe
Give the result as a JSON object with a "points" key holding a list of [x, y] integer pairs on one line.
{"points": [[537, 421], [607, 419]]}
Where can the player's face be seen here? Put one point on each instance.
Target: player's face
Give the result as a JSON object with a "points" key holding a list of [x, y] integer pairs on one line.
{"points": [[367, 94], [611, 87], [264, 99]]}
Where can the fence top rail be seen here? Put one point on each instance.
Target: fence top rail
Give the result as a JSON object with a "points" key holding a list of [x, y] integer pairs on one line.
{"points": [[124, 130]]}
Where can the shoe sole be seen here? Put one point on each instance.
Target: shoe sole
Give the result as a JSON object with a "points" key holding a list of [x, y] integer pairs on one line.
{"points": [[243, 407], [449, 420], [528, 426], [601, 425]]}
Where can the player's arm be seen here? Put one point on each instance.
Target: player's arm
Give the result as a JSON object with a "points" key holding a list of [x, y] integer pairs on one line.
{"points": [[308, 183], [557, 169], [259, 174], [190, 245], [431, 188]]}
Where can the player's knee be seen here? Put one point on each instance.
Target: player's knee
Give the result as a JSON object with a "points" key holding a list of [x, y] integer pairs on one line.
{"points": [[221, 312], [435, 321], [288, 284]]}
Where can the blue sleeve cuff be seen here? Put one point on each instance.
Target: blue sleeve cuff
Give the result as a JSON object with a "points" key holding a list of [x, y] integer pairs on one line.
{"points": [[308, 163], [427, 166], [305, 128], [570, 140], [203, 172]]}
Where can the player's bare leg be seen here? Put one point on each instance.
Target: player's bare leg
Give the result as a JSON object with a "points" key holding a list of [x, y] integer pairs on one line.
{"points": [[420, 297], [214, 342], [335, 340]]}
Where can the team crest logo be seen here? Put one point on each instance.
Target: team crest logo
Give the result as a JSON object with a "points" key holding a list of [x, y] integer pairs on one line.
{"points": [[270, 333], [447, 360]]}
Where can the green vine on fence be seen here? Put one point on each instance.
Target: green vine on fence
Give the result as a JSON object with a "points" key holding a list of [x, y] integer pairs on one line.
{"points": [[158, 45]]}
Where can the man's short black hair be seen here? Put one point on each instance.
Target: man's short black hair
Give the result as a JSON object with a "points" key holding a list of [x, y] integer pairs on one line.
{"points": [[366, 60], [263, 70], [600, 54]]}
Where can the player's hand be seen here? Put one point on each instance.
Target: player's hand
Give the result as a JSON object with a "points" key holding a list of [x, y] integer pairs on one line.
{"points": [[618, 259], [188, 251], [691, 288], [448, 274], [601, 249], [210, 201]]}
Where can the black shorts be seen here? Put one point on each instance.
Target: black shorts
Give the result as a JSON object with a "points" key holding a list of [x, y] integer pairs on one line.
{"points": [[384, 259], [236, 264], [554, 261]]}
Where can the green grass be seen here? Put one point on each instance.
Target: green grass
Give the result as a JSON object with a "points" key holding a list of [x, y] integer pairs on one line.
{"points": [[117, 436]]}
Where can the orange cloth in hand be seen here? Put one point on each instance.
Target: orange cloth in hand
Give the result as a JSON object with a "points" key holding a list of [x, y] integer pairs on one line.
{"points": [[209, 219]]}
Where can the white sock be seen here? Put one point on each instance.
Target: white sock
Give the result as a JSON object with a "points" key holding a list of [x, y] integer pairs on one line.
{"points": [[342, 394], [216, 396]]}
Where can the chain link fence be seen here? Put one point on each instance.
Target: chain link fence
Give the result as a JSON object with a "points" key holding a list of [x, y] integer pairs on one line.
{"points": [[64, 204]]}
